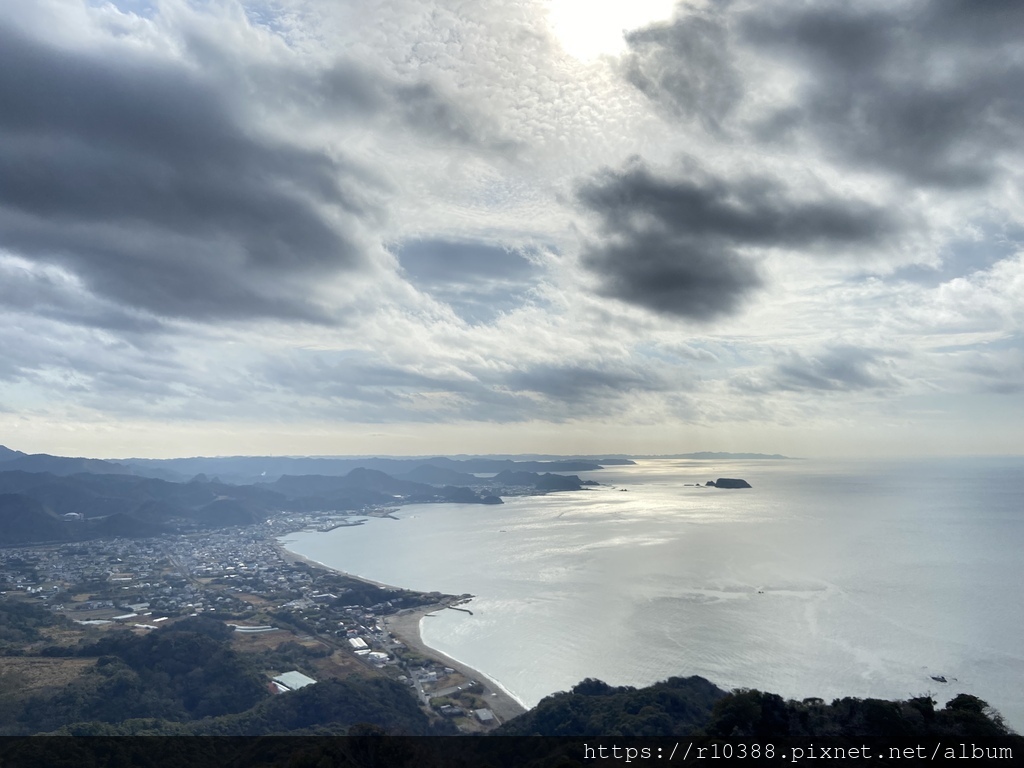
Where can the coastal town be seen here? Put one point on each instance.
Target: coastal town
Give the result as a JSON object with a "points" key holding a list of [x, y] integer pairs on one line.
{"points": [[114, 577], [313, 622]]}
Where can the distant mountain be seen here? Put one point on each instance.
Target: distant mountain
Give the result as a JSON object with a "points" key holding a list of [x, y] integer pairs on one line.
{"points": [[100, 495], [24, 520], [508, 477], [125, 499], [253, 469], [362, 487], [552, 482], [546, 482], [123, 505], [493, 466], [712, 455], [60, 465], [359, 479], [158, 511], [6, 454], [434, 475], [225, 512], [118, 525]]}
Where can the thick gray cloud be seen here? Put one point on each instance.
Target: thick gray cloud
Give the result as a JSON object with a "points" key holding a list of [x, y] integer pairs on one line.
{"points": [[681, 245], [918, 94], [148, 179], [929, 92], [686, 66], [137, 177], [53, 294]]}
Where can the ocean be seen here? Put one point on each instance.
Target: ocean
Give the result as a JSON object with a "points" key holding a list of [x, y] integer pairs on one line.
{"points": [[865, 579]]}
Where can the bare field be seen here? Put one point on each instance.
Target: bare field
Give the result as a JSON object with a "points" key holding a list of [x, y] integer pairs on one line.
{"points": [[254, 600], [342, 664], [339, 664], [258, 642], [33, 673]]}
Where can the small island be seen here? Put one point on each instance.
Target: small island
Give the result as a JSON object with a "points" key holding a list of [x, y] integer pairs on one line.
{"points": [[728, 482]]}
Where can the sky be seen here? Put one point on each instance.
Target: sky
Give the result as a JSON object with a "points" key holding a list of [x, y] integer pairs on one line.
{"points": [[415, 227]]}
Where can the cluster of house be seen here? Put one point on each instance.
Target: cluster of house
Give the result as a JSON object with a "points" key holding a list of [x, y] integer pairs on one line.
{"points": [[42, 569], [97, 581]]}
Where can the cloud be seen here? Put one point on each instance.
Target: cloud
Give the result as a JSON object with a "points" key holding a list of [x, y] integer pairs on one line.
{"points": [[686, 245], [134, 175], [316, 213], [999, 370], [477, 280], [837, 368], [578, 383], [163, 183], [51, 292], [369, 387], [928, 92], [686, 66]]}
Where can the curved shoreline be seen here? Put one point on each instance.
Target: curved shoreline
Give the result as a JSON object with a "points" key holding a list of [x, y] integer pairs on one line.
{"points": [[405, 625]]}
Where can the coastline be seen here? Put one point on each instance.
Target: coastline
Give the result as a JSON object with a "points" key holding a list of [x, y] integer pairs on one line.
{"points": [[405, 625]]}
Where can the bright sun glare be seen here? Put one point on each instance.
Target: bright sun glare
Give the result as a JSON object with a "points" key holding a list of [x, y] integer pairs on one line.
{"points": [[587, 29]]}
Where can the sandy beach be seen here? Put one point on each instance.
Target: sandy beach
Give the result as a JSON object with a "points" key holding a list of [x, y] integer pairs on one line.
{"points": [[405, 625]]}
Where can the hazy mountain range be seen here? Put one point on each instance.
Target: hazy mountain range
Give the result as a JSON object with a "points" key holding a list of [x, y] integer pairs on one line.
{"points": [[57, 498], [60, 498]]}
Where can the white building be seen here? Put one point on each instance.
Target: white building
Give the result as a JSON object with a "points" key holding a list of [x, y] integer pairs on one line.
{"points": [[293, 680]]}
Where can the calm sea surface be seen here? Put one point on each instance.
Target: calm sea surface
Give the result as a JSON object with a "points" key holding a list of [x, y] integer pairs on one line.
{"points": [[854, 579]]}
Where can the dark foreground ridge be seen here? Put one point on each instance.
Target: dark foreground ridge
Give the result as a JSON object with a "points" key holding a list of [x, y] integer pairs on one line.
{"points": [[189, 683], [654, 723]]}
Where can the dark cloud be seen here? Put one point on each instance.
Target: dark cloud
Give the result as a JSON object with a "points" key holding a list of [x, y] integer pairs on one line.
{"points": [[686, 66], [681, 245], [136, 176], [150, 181], [929, 91], [477, 280]]}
